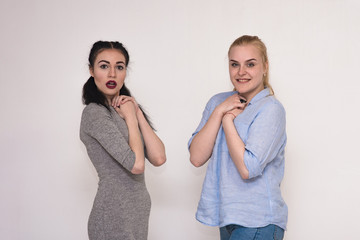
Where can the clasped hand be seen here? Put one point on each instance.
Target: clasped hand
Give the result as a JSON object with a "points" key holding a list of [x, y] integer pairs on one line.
{"points": [[232, 106], [125, 106]]}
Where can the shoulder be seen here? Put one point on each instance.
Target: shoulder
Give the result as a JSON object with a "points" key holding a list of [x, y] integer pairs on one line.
{"points": [[222, 96], [94, 111], [95, 108], [219, 98], [272, 107], [276, 104]]}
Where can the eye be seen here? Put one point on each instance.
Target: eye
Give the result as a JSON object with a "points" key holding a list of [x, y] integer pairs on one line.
{"points": [[234, 64], [103, 66], [250, 64], [120, 67]]}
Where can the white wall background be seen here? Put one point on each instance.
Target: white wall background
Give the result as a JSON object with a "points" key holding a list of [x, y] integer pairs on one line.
{"points": [[178, 61]]}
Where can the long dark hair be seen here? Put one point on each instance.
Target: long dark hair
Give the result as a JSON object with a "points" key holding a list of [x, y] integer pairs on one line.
{"points": [[91, 93]]}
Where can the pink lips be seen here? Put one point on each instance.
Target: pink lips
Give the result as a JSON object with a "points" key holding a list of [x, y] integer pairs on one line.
{"points": [[242, 80], [111, 84]]}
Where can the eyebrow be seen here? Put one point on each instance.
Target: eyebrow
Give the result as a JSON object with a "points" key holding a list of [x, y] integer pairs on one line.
{"points": [[119, 62], [252, 59]]}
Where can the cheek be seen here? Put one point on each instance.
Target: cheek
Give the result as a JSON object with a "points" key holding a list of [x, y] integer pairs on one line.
{"points": [[232, 72], [97, 82], [98, 75], [99, 79], [257, 73], [122, 76]]}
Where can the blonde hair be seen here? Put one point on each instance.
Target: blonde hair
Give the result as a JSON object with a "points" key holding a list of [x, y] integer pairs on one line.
{"points": [[256, 42]]}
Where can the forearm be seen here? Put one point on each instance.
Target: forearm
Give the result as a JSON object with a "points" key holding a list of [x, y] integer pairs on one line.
{"points": [[235, 145], [155, 148], [136, 145], [203, 143]]}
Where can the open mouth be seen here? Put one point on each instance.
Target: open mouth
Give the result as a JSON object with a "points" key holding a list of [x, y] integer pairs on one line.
{"points": [[242, 80], [111, 84]]}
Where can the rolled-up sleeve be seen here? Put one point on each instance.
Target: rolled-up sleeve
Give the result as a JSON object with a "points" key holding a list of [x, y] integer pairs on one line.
{"points": [[205, 116], [266, 138]]}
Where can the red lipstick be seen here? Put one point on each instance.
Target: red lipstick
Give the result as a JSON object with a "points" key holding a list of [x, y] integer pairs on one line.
{"points": [[111, 84]]}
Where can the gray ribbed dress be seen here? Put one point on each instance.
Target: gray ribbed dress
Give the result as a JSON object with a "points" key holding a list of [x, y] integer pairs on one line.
{"points": [[122, 204]]}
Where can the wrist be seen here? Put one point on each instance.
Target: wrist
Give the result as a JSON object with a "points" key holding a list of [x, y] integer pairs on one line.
{"points": [[219, 112], [229, 115], [139, 113], [130, 118]]}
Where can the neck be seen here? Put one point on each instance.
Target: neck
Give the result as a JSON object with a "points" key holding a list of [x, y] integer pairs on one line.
{"points": [[250, 95], [109, 100]]}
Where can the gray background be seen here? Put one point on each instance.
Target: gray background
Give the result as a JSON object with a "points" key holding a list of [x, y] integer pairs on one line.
{"points": [[178, 55]]}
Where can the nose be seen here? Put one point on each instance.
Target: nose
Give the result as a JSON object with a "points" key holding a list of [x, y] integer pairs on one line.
{"points": [[112, 72], [242, 70]]}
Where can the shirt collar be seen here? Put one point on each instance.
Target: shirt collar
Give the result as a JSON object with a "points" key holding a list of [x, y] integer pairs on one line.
{"points": [[262, 94]]}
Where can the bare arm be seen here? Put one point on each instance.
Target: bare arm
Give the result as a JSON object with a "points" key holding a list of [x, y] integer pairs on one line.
{"points": [[136, 145], [155, 148], [234, 143], [127, 112], [203, 143]]}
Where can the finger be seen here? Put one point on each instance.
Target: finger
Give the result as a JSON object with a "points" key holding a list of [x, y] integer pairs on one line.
{"points": [[118, 101], [240, 101], [124, 100], [236, 111], [114, 101], [241, 98], [134, 101], [242, 106]]}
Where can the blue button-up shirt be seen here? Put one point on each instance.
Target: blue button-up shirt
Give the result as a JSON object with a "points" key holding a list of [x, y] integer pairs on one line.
{"points": [[226, 198]]}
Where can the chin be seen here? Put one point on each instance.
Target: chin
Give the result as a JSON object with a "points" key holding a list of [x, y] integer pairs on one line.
{"points": [[239, 90]]}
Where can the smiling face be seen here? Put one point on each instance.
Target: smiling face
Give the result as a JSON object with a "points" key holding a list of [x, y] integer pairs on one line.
{"points": [[246, 70], [109, 72]]}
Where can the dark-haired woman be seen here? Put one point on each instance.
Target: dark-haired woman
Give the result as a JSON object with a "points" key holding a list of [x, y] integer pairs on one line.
{"points": [[117, 136]]}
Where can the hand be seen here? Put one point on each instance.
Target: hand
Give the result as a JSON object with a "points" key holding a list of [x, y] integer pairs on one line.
{"points": [[233, 113], [118, 100], [125, 106], [231, 103], [132, 99]]}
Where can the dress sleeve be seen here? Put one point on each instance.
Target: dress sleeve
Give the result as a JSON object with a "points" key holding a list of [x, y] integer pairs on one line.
{"points": [[98, 124], [266, 138]]}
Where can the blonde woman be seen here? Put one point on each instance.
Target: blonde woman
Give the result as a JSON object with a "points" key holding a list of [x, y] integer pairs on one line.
{"points": [[242, 135]]}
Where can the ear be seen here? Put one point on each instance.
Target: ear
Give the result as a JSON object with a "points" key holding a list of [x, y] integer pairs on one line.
{"points": [[91, 71], [266, 68]]}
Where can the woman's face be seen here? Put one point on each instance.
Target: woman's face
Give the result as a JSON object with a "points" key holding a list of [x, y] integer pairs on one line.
{"points": [[246, 70], [109, 72]]}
